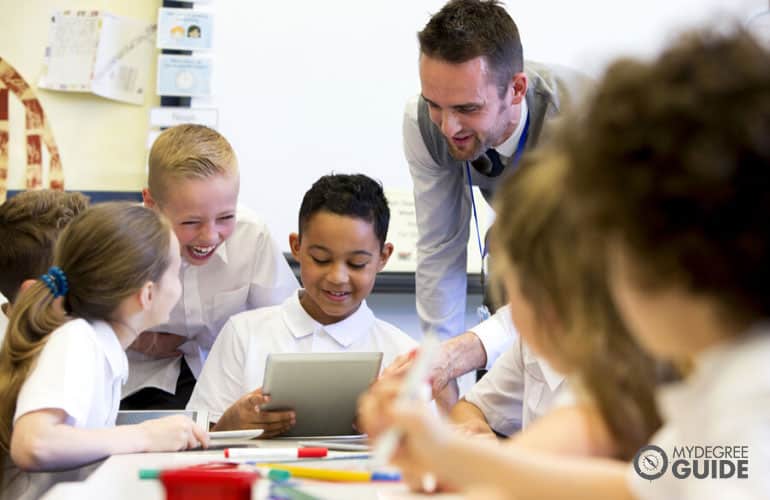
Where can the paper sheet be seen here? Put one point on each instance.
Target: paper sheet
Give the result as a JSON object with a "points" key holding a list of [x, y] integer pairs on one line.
{"points": [[98, 52]]}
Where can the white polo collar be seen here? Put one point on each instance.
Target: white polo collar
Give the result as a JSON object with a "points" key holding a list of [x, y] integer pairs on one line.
{"points": [[114, 352], [551, 376], [344, 332]]}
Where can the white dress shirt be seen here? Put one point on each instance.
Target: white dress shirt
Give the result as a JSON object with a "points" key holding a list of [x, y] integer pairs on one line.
{"points": [[443, 210], [247, 271], [236, 364], [80, 371], [519, 388], [725, 402]]}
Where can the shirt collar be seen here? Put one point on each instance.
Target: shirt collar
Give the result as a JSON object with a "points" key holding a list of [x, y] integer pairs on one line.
{"points": [[551, 376], [221, 252], [344, 332], [114, 352], [508, 147]]}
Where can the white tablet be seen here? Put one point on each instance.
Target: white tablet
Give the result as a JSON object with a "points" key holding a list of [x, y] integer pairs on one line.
{"points": [[322, 388]]}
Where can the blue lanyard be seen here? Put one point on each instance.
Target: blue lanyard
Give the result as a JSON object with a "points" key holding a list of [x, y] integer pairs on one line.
{"points": [[516, 157]]}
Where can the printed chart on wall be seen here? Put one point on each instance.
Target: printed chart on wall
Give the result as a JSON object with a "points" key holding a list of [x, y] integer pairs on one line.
{"points": [[403, 231], [98, 52]]}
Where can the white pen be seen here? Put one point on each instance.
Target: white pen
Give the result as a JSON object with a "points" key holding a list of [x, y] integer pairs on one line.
{"points": [[275, 453], [411, 390]]}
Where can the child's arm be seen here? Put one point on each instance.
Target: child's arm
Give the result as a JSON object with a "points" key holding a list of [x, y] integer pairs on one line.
{"points": [[246, 414], [42, 441], [524, 474], [469, 418], [577, 430], [158, 344]]}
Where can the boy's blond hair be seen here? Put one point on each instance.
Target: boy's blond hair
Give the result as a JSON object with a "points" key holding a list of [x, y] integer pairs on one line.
{"points": [[188, 152], [30, 223]]}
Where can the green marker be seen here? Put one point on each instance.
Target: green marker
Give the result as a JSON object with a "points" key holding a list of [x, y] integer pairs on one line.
{"points": [[149, 473]]}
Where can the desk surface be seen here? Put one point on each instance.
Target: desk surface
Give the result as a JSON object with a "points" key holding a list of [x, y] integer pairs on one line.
{"points": [[118, 478]]}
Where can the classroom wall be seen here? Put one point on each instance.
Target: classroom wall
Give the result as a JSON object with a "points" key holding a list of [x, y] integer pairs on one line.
{"points": [[308, 87], [102, 143]]}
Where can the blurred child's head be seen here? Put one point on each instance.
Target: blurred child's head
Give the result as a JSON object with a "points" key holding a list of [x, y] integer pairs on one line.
{"points": [[560, 303], [674, 176], [30, 223], [121, 264], [343, 224], [193, 180]]}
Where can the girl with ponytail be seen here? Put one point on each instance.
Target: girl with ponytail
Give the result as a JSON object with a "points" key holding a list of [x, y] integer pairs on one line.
{"points": [[63, 361]]}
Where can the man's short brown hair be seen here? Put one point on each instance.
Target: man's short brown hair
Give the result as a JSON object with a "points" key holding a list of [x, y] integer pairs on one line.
{"points": [[30, 223], [188, 152], [466, 29]]}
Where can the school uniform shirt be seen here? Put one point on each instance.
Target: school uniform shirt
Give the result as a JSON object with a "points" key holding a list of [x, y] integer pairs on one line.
{"points": [[519, 388], [725, 402], [80, 371], [236, 365], [247, 271]]}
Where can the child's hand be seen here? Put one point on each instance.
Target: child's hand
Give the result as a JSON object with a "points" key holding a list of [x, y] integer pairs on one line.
{"points": [[246, 414], [173, 433], [424, 439], [158, 344], [375, 403]]}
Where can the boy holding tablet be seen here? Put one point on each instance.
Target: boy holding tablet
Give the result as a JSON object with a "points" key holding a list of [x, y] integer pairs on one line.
{"points": [[343, 224]]}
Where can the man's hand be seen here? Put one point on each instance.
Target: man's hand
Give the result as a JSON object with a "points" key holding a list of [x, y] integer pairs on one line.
{"points": [[246, 414], [158, 344], [456, 357]]}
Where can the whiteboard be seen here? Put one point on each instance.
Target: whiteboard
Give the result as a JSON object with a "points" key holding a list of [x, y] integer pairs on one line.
{"points": [[309, 87]]}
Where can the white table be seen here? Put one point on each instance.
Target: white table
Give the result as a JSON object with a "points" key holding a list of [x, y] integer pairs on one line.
{"points": [[118, 478]]}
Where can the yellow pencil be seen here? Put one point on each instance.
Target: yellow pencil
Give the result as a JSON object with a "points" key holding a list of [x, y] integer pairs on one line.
{"points": [[334, 474]]}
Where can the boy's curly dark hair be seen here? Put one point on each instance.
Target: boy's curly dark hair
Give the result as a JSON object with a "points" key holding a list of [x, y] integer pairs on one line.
{"points": [[356, 196], [673, 158]]}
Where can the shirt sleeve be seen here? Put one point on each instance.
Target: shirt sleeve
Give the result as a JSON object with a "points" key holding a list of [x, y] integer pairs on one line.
{"points": [[64, 377], [272, 280], [496, 334], [500, 393], [221, 381], [442, 208]]}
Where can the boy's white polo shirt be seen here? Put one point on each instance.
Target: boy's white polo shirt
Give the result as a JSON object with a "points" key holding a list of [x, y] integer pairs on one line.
{"points": [[247, 271], [724, 402], [519, 388], [236, 364], [80, 371]]}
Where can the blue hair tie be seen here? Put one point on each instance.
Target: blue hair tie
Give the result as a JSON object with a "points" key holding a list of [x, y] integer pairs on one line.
{"points": [[56, 281]]}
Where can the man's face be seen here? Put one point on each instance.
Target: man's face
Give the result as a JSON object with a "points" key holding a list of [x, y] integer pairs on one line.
{"points": [[465, 104]]}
